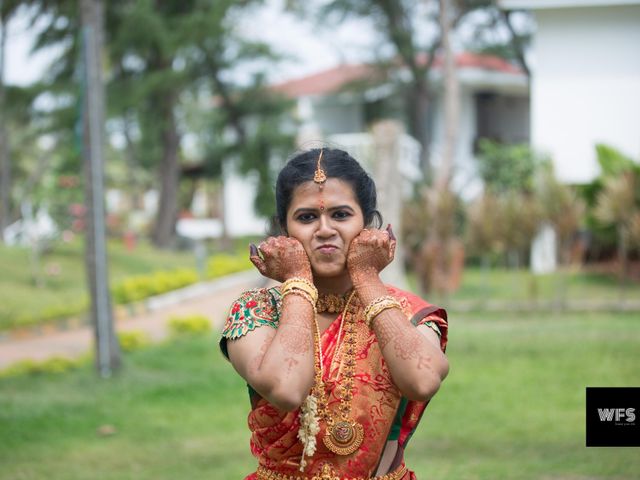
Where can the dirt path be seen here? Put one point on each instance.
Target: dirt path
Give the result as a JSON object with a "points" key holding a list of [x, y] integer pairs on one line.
{"points": [[211, 300]]}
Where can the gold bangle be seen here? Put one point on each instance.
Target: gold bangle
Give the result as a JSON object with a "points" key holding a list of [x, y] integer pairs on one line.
{"points": [[303, 294], [297, 288], [299, 280], [303, 284], [379, 305]]}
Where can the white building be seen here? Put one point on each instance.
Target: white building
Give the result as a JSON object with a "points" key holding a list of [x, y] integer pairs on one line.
{"points": [[494, 103], [585, 88]]}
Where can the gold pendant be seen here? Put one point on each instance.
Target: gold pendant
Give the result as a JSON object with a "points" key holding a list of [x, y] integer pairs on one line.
{"points": [[343, 437], [326, 474]]}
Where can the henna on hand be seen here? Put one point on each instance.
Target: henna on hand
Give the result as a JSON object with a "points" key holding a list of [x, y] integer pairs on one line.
{"points": [[282, 258], [369, 253]]}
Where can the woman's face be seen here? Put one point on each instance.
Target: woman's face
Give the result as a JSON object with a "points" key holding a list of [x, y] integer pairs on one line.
{"points": [[325, 234]]}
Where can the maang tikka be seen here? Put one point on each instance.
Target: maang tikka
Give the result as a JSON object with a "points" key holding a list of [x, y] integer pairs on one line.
{"points": [[320, 178]]}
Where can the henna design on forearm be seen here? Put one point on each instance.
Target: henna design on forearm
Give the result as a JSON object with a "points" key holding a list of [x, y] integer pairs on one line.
{"points": [[406, 344], [295, 339], [425, 363], [384, 330], [256, 361], [290, 362]]}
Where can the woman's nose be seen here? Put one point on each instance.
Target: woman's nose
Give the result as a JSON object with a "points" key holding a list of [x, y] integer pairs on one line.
{"points": [[325, 227]]}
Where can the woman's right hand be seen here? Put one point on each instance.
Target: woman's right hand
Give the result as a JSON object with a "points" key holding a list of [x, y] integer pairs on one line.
{"points": [[282, 258]]}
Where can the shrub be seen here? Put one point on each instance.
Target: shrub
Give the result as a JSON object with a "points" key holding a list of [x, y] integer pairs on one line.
{"points": [[225, 264], [133, 340], [138, 288], [191, 325], [32, 367]]}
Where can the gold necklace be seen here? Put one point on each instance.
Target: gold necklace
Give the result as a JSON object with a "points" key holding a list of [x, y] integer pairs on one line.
{"points": [[331, 302], [343, 435]]}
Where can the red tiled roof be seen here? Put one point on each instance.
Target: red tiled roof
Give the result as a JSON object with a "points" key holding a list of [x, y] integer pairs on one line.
{"points": [[333, 79], [327, 81], [484, 62]]}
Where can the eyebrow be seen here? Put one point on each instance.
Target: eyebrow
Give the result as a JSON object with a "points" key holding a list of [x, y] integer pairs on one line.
{"points": [[339, 207]]}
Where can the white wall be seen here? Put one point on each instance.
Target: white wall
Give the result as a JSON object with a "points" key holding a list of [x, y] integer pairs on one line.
{"points": [[239, 194], [586, 86]]}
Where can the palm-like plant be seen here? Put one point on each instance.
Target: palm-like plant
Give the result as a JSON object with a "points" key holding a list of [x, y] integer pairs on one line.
{"points": [[562, 208], [434, 250], [485, 227], [521, 216], [618, 204]]}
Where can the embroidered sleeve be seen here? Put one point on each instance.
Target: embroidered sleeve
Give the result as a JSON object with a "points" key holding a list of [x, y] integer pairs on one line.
{"points": [[436, 319], [253, 309], [431, 324]]}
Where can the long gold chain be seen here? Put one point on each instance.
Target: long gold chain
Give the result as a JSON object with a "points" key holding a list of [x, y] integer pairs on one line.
{"points": [[343, 436]]}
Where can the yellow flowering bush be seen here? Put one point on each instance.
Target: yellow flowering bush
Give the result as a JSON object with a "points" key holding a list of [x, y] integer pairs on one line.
{"points": [[137, 288], [132, 340], [190, 325], [225, 264], [53, 365]]}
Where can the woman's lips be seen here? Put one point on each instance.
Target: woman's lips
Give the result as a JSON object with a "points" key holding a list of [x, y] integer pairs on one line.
{"points": [[327, 249]]}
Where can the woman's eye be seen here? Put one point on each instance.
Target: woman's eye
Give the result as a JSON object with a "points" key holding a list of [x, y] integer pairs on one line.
{"points": [[306, 217], [341, 214]]}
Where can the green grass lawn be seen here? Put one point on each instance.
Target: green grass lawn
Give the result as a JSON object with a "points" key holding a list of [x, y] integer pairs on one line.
{"points": [[511, 408], [20, 297], [499, 285]]}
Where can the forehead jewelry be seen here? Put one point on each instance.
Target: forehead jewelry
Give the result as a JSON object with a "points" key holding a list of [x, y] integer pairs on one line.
{"points": [[319, 177]]}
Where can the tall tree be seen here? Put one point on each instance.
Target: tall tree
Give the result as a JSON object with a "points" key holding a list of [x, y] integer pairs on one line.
{"points": [[7, 9], [163, 51], [157, 53], [146, 40]]}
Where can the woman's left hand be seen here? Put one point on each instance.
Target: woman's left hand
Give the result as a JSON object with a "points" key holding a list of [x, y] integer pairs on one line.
{"points": [[370, 252]]}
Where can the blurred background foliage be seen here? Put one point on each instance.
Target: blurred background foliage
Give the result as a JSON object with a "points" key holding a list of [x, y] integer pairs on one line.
{"points": [[189, 96]]}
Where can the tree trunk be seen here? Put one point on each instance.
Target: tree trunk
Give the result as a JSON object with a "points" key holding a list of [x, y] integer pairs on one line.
{"points": [[418, 104], [517, 43], [5, 151], [442, 252], [107, 350], [386, 137], [132, 165], [451, 101], [164, 234]]}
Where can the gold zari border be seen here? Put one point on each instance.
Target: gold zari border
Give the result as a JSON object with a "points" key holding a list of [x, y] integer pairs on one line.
{"points": [[327, 474]]}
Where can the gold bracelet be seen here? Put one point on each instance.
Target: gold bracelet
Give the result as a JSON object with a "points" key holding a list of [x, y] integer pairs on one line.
{"points": [[307, 291], [379, 305], [303, 294], [302, 284]]}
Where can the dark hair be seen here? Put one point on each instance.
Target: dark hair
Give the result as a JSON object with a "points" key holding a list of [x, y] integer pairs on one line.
{"points": [[336, 164]]}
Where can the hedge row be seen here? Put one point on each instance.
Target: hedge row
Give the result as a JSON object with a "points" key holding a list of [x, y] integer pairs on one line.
{"points": [[132, 289], [130, 341]]}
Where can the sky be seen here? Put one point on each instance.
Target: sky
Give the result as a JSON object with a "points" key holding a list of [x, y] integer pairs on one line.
{"points": [[22, 68], [311, 48]]}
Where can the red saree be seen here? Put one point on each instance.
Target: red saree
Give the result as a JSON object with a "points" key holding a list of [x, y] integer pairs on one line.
{"points": [[377, 404]]}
